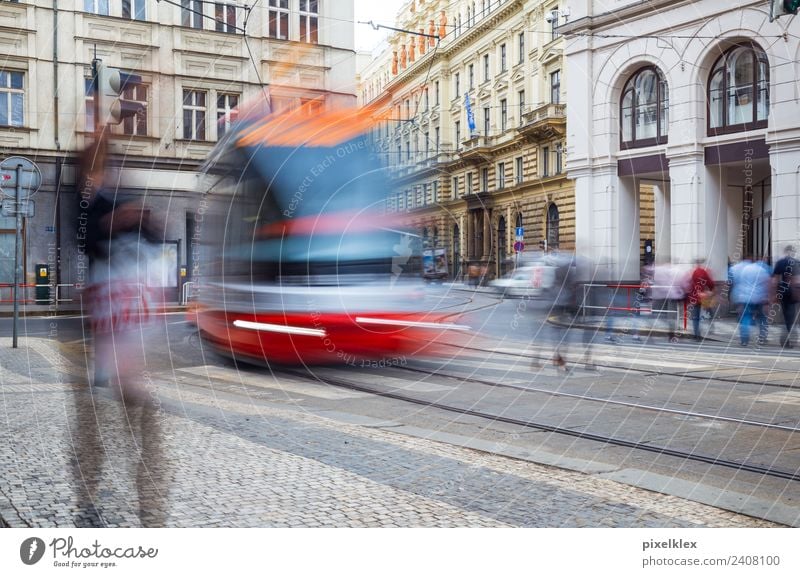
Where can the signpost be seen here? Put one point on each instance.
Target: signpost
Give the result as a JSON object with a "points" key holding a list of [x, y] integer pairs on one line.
{"points": [[25, 178]]}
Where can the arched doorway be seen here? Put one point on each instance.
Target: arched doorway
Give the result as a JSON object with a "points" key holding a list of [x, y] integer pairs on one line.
{"points": [[502, 236], [551, 234], [456, 244]]}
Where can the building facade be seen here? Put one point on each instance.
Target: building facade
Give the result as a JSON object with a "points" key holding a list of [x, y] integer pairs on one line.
{"points": [[198, 66], [475, 128], [697, 103]]}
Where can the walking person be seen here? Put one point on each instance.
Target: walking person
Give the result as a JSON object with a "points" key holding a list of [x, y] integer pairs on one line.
{"points": [[786, 287], [750, 294], [699, 294], [117, 232]]}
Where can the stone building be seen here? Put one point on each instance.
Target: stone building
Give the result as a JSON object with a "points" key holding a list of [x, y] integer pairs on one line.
{"points": [[197, 64], [695, 102], [476, 128]]}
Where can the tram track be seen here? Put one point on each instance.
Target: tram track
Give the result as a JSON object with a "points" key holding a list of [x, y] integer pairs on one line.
{"points": [[766, 471], [590, 364]]}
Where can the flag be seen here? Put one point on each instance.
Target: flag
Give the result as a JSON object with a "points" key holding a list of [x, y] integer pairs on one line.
{"points": [[470, 116]]}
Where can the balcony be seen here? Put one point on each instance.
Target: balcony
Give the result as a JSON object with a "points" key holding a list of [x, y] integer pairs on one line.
{"points": [[545, 122], [476, 148]]}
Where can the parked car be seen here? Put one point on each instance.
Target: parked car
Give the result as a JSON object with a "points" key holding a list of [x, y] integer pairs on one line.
{"points": [[530, 281]]}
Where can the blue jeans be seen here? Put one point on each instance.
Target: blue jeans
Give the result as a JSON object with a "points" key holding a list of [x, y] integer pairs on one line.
{"points": [[695, 311], [749, 313]]}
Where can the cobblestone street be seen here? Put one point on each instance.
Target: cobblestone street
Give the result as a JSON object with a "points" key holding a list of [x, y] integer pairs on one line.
{"points": [[242, 462]]}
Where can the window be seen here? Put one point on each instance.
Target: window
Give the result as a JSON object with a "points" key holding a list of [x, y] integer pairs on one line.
{"points": [[89, 101], [309, 15], [427, 144], [457, 83], [436, 136], [408, 149], [484, 179], [521, 104], [552, 226], [521, 41], [137, 124], [458, 134], [559, 159], [191, 13], [436, 93], [225, 16], [138, 9], [545, 169], [487, 118], [12, 98], [96, 7], [279, 19], [502, 58], [501, 175], [427, 100], [486, 74], [454, 194], [555, 87], [554, 24], [408, 109], [738, 90], [644, 109], [226, 112], [518, 170], [503, 114], [435, 191], [194, 115], [469, 183], [399, 153], [471, 76]]}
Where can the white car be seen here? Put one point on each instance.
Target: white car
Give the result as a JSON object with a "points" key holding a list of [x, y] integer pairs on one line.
{"points": [[529, 281]]}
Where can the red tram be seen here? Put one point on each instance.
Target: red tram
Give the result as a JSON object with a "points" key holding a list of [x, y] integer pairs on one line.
{"points": [[301, 264]]}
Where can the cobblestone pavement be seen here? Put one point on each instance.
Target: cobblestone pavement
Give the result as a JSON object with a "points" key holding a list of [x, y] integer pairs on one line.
{"points": [[238, 461]]}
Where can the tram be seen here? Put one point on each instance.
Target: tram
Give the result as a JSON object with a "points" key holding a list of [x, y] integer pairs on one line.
{"points": [[300, 263]]}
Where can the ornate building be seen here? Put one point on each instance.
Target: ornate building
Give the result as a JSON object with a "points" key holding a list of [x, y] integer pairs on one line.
{"points": [[476, 128], [696, 102], [197, 67]]}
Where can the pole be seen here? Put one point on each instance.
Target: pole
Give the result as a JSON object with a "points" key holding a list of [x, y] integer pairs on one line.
{"points": [[17, 254]]}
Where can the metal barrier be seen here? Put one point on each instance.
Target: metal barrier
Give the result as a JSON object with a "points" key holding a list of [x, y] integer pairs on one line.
{"points": [[59, 292], [10, 287], [185, 289], [680, 313]]}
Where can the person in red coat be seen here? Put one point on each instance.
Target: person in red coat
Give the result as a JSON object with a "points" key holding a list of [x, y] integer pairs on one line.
{"points": [[700, 291]]}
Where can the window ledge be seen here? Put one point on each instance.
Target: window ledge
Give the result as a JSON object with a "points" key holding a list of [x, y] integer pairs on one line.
{"points": [[9, 128]]}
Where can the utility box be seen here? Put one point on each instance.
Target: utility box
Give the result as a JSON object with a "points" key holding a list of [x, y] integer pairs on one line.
{"points": [[42, 284]]}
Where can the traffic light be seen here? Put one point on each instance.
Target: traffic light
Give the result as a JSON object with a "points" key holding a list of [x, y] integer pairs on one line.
{"points": [[110, 85]]}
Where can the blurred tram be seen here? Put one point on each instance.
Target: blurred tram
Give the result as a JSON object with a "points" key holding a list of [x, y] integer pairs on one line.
{"points": [[300, 263]]}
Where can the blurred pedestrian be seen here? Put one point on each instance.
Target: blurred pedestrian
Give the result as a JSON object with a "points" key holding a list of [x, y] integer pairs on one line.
{"points": [[668, 294], [786, 290], [117, 235], [750, 293], [699, 295]]}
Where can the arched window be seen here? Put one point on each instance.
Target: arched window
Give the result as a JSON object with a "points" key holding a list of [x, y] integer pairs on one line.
{"points": [[738, 90], [644, 109], [552, 227]]}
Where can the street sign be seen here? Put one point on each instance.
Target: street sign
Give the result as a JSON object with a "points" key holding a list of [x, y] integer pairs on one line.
{"points": [[26, 208], [520, 232], [30, 176], [519, 246]]}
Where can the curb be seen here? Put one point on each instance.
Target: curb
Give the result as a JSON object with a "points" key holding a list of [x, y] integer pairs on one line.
{"points": [[556, 321]]}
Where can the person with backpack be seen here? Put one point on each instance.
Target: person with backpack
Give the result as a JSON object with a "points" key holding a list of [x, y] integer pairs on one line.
{"points": [[786, 290], [699, 292]]}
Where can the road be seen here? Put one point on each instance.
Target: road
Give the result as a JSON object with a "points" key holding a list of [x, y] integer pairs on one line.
{"points": [[641, 434]]}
